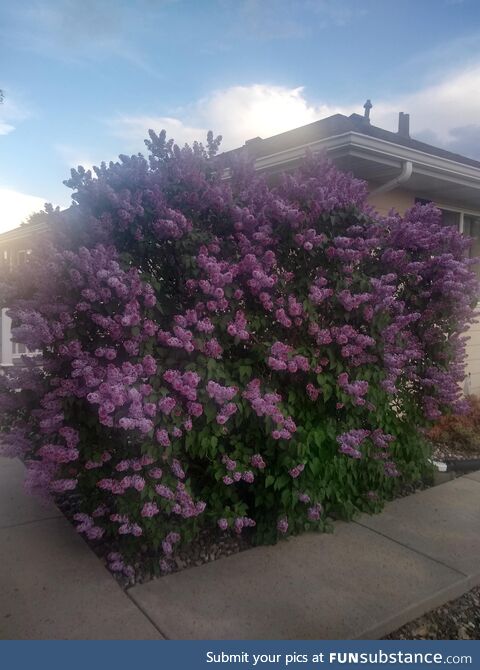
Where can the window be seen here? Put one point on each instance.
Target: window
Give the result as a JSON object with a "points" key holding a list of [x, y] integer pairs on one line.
{"points": [[471, 228], [468, 224], [450, 218]]}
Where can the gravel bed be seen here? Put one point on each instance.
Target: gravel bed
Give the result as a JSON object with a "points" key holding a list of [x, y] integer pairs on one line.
{"points": [[456, 620], [414, 487], [442, 452], [210, 545]]}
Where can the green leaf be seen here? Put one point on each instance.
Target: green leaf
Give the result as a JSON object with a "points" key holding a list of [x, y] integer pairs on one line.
{"points": [[318, 437]]}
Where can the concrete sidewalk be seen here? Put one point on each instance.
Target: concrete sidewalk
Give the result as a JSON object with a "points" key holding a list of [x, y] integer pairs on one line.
{"points": [[52, 586], [363, 581]]}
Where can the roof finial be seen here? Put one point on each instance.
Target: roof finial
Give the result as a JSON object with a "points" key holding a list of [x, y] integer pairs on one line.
{"points": [[367, 107]]}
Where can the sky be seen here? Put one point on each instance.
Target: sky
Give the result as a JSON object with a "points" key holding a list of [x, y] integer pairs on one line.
{"points": [[84, 81]]}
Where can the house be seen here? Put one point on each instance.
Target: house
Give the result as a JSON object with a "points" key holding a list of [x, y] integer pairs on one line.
{"points": [[399, 170]]}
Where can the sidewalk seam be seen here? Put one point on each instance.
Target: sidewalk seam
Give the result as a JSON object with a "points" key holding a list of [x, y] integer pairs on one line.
{"points": [[411, 612], [415, 551], [145, 614], [27, 523]]}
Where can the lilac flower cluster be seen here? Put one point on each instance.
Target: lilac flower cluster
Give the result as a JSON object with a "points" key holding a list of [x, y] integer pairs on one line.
{"points": [[315, 512], [242, 522], [351, 441], [350, 302], [169, 542], [238, 327], [185, 384], [282, 358], [357, 390], [296, 471], [318, 292], [87, 525], [222, 395], [267, 405], [236, 475], [310, 239], [257, 462], [312, 391]]}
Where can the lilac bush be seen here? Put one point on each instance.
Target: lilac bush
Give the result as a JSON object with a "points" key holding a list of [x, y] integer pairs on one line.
{"points": [[220, 350]]}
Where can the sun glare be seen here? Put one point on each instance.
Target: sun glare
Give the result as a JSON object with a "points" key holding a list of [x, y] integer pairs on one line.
{"points": [[15, 207]]}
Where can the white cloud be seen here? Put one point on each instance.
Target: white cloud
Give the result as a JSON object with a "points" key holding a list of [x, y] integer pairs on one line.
{"points": [[73, 156], [259, 110], [446, 114], [5, 128], [15, 207], [134, 129], [10, 113], [238, 113], [442, 106]]}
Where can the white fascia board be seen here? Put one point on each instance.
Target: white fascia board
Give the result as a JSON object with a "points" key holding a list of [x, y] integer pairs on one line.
{"points": [[286, 156], [380, 151], [450, 177], [20, 232], [423, 163]]}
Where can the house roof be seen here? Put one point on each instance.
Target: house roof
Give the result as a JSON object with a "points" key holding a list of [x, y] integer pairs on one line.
{"points": [[24, 231], [338, 124], [385, 159]]}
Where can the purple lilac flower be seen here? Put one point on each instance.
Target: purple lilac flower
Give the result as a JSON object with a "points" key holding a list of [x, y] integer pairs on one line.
{"points": [[351, 441], [150, 509], [315, 512], [257, 462]]}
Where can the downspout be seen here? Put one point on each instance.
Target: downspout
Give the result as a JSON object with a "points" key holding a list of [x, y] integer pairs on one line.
{"points": [[405, 174]]}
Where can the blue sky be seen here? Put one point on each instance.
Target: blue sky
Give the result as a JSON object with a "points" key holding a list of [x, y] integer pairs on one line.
{"points": [[84, 80]]}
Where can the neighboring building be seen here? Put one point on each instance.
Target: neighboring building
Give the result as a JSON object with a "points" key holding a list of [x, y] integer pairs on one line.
{"points": [[399, 170], [15, 247]]}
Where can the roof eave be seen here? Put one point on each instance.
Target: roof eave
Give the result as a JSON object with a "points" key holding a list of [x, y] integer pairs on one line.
{"points": [[379, 151]]}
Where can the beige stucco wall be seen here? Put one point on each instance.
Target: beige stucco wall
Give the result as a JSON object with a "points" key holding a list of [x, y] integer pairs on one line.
{"points": [[472, 382], [399, 199]]}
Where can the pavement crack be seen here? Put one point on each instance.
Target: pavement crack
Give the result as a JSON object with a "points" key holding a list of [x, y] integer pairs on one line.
{"points": [[412, 549], [146, 614]]}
